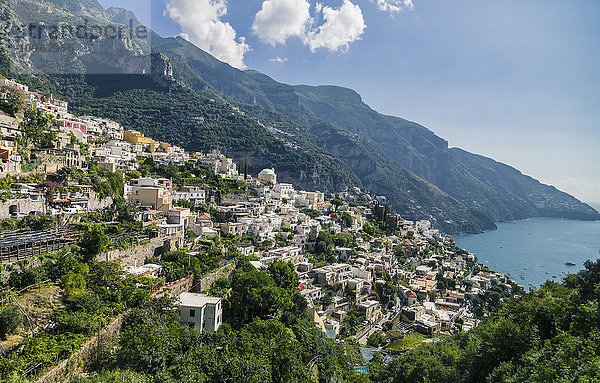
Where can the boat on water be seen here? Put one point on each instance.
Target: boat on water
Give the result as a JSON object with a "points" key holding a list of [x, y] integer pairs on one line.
{"points": [[569, 263]]}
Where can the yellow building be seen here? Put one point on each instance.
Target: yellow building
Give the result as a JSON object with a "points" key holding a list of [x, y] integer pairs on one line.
{"points": [[234, 228], [135, 137], [156, 198]]}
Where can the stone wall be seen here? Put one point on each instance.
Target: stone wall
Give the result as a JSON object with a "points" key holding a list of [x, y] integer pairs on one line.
{"points": [[206, 282], [231, 199], [136, 255], [96, 203], [71, 368], [23, 205], [175, 289]]}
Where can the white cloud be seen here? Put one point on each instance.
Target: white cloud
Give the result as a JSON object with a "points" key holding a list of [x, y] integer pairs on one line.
{"points": [[278, 60], [201, 24], [279, 20], [394, 6], [318, 8], [342, 26]]}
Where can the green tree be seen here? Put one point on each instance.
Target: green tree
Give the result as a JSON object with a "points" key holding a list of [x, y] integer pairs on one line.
{"points": [[368, 229], [94, 240], [284, 275], [151, 337], [375, 339], [336, 202], [36, 129], [346, 219], [324, 242], [344, 239], [12, 100], [76, 278], [255, 294], [10, 320]]}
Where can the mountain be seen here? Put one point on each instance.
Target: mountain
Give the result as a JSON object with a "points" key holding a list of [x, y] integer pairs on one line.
{"points": [[317, 137], [482, 184], [492, 191]]}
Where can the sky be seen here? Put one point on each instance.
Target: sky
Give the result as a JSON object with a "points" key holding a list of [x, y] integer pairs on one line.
{"points": [[518, 81]]}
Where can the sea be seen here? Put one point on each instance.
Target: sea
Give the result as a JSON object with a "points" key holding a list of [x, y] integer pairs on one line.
{"points": [[535, 250]]}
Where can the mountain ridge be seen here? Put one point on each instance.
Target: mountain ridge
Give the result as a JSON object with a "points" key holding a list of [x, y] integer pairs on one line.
{"points": [[388, 155]]}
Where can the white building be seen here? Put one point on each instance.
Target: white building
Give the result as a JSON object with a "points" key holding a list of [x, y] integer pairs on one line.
{"points": [[194, 194], [103, 126], [281, 191], [200, 311]]}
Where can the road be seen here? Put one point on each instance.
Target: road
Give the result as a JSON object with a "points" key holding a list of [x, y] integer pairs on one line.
{"points": [[373, 327]]}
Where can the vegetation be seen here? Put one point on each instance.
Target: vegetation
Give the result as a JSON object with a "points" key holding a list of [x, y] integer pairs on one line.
{"points": [[31, 222], [12, 101], [548, 335], [10, 320], [189, 174], [352, 324], [104, 182], [181, 263], [197, 122], [93, 292], [405, 343], [36, 129], [268, 340], [94, 240]]}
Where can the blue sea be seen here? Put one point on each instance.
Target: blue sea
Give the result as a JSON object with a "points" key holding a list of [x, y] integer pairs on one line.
{"points": [[535, 250]]}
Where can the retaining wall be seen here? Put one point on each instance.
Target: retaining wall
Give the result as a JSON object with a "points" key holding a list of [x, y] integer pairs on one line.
{"points": [[136, 255], [206, 282], [70, 368], [23, 205]]}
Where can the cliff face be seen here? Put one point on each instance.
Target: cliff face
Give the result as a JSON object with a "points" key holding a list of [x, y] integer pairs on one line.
{"points": [[73, 37], [489, 188]]}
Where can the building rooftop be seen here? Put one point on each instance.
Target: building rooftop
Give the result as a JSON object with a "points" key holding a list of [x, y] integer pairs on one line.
{"points": [[368, 303], [267, 171], [197, 300]]}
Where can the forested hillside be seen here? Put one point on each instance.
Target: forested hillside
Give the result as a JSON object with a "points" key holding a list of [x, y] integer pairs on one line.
{"points": [[482, 184]]}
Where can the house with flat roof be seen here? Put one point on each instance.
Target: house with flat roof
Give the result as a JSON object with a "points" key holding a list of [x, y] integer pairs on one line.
{"points": [[200, 311]]}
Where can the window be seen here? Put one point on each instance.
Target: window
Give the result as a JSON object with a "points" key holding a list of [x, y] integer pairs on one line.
{"points": [[192, 313]]}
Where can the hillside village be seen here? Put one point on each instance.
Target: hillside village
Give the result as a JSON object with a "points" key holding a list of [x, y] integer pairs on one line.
{"points": [[181, 221]]}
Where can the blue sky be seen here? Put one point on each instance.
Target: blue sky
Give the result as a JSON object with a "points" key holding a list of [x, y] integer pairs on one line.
{"points": [[518, 81]]}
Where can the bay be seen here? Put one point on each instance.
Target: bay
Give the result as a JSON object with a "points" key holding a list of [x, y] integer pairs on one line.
{"points": [[535, 250]]}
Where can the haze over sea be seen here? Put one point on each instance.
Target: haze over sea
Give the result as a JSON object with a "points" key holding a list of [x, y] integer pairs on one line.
{"points": [[536, 249]]}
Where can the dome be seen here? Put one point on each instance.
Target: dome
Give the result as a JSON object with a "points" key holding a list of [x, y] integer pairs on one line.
{"points": [[267, 172]]}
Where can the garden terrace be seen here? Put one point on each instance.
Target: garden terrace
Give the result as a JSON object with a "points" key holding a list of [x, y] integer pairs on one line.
{"points": [[15, 247]]}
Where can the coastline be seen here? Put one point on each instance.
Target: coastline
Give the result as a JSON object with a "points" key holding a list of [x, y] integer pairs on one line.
{"points": [[595, 206], [534, 250]]}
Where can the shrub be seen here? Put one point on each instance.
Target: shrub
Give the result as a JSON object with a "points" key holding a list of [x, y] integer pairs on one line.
{"points": [[94, 241], [10, 320]]}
